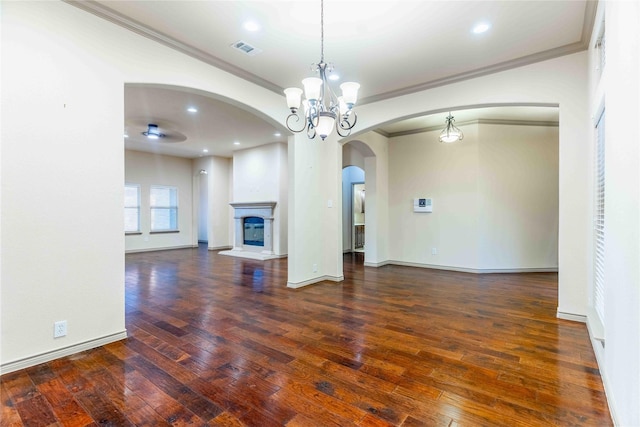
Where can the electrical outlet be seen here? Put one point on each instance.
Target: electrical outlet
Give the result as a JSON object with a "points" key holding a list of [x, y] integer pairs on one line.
{"points": [[60, 329], [315, 268], [434, 251]]}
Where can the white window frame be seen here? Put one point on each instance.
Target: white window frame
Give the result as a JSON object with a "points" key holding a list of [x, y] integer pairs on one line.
{"points": [[599, 279], [171, 207], [129, 206]]}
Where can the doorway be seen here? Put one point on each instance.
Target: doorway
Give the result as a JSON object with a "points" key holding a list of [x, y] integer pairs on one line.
{"points": [[358, 213], [203, 208]]}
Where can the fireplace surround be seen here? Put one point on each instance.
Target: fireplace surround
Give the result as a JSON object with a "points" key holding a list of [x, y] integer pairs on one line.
{"points": [[242, 211]]}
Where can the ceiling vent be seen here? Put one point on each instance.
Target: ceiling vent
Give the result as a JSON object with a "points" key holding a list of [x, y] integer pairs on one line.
{"points": [[246, 48]]}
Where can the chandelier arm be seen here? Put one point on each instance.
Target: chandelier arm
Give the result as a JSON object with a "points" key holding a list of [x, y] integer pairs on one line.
{"points": [[344, 120], [311, 131], [297, 117], [342, 131], [313, 116]]}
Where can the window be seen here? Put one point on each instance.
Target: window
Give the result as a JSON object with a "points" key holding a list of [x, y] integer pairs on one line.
{"points": [[131, 208], [598, 222], [164, 209]]}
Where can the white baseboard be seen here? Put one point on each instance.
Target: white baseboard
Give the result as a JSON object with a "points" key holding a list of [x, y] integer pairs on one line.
{"points": [[463, 269], [297, 285], [37, 359], [133, 251], [219, 248], [376, 264], [570, 316]]}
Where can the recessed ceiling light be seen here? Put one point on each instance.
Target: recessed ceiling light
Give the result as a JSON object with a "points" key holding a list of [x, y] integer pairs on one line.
{"points": [[126, 136], [192, 109], [204, 150], [480, 28], [236, 143], [251, 26], [277, 134], [334, 77]]}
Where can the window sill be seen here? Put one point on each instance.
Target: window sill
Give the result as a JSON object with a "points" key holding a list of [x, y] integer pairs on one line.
{"points": [[132, 233], [164, 232]]}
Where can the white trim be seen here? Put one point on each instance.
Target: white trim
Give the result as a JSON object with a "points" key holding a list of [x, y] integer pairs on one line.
{"points": [[37, 359], [598, 350], [168, 248], [249, 255], [464, 269], [314, 280], [219, 248], [594, 324], [570, 316], [376, 264]]}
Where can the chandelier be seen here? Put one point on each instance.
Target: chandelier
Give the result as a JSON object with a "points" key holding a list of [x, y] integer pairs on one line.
{"points": [[451, 133], [322, 109]]}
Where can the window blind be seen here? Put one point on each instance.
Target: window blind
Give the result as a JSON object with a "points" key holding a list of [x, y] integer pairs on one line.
{"points": [[164, 208], [131, 208], [599, 221]]}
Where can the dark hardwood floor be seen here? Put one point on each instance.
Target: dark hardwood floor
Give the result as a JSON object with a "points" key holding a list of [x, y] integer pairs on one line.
{"points": [[215, 340]]}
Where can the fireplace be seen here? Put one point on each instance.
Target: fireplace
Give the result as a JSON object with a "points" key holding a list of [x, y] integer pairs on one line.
{"points": [[253, 230]]}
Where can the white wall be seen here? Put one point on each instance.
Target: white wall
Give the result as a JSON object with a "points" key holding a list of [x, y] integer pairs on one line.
{"points": [[619, 359], [147, 169], [260, 175]]}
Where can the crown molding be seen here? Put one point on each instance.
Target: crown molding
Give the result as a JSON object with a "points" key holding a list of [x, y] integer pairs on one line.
{"points": [[114, 17], [568, 49], [101, 11], [472, 122]]}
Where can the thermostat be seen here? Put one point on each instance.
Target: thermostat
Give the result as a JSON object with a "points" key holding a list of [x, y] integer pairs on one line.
{"points": [[423, 205]]}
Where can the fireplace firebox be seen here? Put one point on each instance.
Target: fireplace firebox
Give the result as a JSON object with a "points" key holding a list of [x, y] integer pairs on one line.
{"points": [[253, 231]]}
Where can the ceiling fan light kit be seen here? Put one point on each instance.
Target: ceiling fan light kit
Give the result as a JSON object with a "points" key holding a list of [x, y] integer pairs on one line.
{"points": [[153, 132]]}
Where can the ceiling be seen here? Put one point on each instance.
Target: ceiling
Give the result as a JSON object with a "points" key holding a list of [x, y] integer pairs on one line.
{"points": [[390, 47]]}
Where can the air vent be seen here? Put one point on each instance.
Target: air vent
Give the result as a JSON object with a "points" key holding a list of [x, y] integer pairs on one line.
{"points": [[246, 48]]}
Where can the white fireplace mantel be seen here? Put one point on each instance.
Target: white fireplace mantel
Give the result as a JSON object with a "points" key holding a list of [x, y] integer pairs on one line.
{"points": [[243, 210]]}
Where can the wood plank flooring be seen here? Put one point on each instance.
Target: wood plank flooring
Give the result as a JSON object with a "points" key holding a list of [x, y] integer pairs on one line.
{"points": [[221, 341]]}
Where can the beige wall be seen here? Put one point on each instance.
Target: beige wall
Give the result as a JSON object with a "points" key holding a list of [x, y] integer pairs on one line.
{"points": [[495, 199], [518, 197], [145, 170], [61, 207], [422, 167], [219, 221], [62, 167]]}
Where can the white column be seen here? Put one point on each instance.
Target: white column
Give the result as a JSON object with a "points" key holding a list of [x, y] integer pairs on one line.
{"points": [[315, 217]]}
